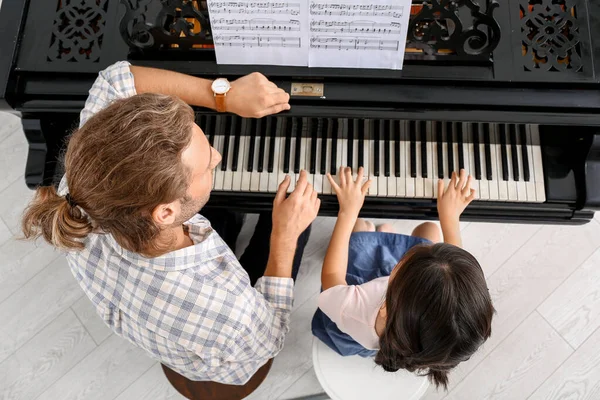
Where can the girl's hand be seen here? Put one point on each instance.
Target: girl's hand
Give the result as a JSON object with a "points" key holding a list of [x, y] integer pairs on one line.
{"points": [[457, 196], [350, 193]]}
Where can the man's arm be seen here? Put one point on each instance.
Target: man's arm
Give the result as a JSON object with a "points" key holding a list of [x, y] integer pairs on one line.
{"points": [[250, 96]]}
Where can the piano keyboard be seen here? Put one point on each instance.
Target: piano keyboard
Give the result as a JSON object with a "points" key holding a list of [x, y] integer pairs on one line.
{"points": [[404, 159]]}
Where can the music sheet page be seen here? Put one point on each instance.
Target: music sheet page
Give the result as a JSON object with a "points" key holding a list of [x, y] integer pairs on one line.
{"points": [[358, 33], [260, 32]]}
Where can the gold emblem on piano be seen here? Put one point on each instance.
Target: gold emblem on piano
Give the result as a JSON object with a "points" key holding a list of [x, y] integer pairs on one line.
{"points": [[307, 89]]}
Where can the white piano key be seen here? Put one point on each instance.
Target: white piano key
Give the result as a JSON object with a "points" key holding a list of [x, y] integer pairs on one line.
{"points": [[228, 175], [530, 185], [381, 180], [496, 174], [263, 177], [318, 178], [255, 175], [217, 173], [475, 184], [310, 178], [502, 184], [419, 180], [521, 187], [246, 175], [238, 176], [512, 184], [355, 156], [277, 166], [367, 138], [390, 181], [327, 189], [447, 172], [431, 180], [540, 191], [434, 161], [292, 161], [304, 149], [484, 187], [410, 181]]}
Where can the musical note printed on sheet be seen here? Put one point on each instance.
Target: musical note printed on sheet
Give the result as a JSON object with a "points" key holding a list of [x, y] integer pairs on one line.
{"points": [[314, 33], [267, 32], [358, 34]]}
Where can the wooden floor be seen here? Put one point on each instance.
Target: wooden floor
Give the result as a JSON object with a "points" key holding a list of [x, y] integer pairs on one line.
{"points": [[545, 282]]}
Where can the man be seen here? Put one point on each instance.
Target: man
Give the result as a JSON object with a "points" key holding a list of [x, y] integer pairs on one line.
{"points": [[138, 170]]}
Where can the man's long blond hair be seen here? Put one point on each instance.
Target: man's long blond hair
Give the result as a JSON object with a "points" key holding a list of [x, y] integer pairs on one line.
{"points": [[119, 166]]}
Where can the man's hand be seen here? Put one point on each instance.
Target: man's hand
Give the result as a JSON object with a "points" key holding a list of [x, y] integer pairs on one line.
{"points": [[254, 96], [293, 215], [350, 193]]}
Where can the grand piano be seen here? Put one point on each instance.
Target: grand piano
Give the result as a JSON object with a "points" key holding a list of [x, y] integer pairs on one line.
{"points": [[508, 89]]}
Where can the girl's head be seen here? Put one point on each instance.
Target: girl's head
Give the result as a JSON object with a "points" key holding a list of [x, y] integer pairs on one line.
{"points": [[438, 312]]}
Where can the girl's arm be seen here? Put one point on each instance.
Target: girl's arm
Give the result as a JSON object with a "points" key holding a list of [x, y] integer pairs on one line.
{"points": [[351, 196], [452, 202]]}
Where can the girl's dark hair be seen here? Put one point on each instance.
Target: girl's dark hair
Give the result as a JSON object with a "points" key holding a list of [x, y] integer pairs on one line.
{"points": [[439, 312]]}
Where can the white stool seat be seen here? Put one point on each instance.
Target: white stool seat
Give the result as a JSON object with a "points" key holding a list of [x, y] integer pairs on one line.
{"points": [[358, 378]]}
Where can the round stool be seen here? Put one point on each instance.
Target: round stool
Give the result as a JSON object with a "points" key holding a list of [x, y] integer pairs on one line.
{"points": [[206, 390], [358, 378]]}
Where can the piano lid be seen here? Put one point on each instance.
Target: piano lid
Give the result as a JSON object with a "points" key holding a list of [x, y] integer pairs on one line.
{"points": [[486, 40]]}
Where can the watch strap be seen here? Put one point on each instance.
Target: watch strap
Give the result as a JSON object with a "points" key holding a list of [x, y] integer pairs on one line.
{"points": [[220, 101]]}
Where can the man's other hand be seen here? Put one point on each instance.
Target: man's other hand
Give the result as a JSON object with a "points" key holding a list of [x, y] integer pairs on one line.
{"points": [[254, 96], [293, 215]]}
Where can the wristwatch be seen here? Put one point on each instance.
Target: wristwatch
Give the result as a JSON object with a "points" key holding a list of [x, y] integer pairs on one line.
{"points": [[220, 87]]}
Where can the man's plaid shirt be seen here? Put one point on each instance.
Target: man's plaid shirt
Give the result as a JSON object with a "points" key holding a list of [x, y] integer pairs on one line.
{"points": [[192, 309]]}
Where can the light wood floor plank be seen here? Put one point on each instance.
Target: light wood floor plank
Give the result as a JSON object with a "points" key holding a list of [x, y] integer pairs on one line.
{"points": [[492, 244], [105, 373], [45, 358], [295, 358], [578, 378], [36, 304], [152, 385], [5, 233], [574, 308], [21, 261], [518, 365], [307, 385], [9, 123], [14, 151], [85, 312], [13, 201]]}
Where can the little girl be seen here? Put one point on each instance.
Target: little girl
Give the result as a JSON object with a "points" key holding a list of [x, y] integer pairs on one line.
{"points": [[427, 312]]}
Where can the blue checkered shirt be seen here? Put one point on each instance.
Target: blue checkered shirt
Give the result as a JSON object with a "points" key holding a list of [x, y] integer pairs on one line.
{"points": [[192, 309]]}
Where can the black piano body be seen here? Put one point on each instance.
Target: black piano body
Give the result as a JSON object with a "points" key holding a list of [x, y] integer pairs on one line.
{"points": [[528, 71]]}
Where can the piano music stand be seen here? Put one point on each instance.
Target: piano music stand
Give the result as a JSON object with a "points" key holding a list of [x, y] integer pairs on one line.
{"points": [[358, 378]]}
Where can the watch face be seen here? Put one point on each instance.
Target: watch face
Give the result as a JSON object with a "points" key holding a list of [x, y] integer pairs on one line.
{"points": [[220, 86]]}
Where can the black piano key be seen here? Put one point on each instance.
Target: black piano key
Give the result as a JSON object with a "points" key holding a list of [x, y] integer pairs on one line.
{"points": [[201, 121], [290, 126], [272, 126], [513, 152], [423, 133], [503, 152], [334, 138], [299, 128], [488, 152], [260, 126], [376, 137], [238, 133], [440, 149], [387, 133], [324, 130], [312, 128], [361, 143], [413, 148], [250, 165], [395, 127], [523, 134], [228, 135], [476, 152], [450, 142], [350, 154], [461, 151]]}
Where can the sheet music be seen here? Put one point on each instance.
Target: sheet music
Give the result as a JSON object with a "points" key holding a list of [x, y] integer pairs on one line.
{"points": [[314, 33], [358, 33], [268, 32]]}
